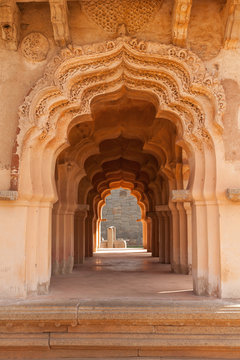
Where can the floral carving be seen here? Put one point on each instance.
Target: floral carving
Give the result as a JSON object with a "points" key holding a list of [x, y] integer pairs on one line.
{"points": [[35, 47]]}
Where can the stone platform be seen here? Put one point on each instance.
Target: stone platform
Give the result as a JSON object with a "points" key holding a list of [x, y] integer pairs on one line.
{"points": [[168, 329], [120, 304]]}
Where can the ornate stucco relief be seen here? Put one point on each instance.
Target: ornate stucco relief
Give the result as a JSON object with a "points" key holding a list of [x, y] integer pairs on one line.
{"points": [[76, 75], [110, 14], [35, 47]]}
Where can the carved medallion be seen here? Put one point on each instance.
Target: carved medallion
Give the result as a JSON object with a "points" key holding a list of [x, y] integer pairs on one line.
{"points": [[110, 14], [35, 47]]}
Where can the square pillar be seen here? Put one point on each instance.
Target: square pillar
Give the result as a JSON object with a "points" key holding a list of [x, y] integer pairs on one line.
{"points": [[79, 238], [25, 249]]}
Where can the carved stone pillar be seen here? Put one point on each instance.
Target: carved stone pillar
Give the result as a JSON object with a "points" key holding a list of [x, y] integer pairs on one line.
{"points": [[9, 23], [181, 17], [164, 238], [59, 20], [175, 250], [149, 234], [94, 230], [63, 224], [79, 238], [111, 236], [89, 235], [154, 233], [161, 238], [179, 197], [232, 27], [63, 240], [144, 232], [182, 238], [188, 209], [167, 216]]}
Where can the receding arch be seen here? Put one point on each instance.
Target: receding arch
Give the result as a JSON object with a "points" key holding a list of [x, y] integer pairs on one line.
{"points": [[175, 82]]}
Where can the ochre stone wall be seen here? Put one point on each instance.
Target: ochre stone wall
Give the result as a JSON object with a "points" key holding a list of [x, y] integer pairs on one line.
{"points": [[122, 211], [205, 38]]}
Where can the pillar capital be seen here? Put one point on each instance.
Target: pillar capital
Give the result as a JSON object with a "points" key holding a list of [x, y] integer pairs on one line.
{"points": [[162, 208], [82, 207], [59, 18], [81, 210], [9, 23], [181, 195], [181, 18], [233, 194], [232, 21]]}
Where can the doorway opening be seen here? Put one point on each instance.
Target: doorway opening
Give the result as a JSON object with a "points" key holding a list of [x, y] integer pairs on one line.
{"points": [[121, 217]]}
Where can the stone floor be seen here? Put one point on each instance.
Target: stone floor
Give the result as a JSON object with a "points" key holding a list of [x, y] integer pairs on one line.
{"points": [[120, 304], [118, 276], [121, 275]]}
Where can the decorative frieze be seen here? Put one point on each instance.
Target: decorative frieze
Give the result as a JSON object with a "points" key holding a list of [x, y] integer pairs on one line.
{"points": [[59, 18], [233, 194], [9, 23], [181, 195], [180, 21], [114, 15]]}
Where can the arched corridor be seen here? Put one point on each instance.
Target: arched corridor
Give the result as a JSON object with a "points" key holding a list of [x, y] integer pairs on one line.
{"points": [[143, 122], [121, 275], [125, 145]]}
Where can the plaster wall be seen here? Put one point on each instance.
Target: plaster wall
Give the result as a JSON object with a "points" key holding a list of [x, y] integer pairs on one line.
{"points": [[230, 251], [12, 256], [205, 38]]}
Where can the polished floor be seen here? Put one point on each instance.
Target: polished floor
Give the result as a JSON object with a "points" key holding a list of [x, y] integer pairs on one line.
{"points": [[119, 276]]}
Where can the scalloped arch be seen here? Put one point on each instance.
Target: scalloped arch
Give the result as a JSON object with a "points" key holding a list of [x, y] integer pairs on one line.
{"points": [[73, 78]]}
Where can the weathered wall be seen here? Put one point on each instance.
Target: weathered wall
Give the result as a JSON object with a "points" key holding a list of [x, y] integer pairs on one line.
{"points": [[205, 38], [122, 211]]}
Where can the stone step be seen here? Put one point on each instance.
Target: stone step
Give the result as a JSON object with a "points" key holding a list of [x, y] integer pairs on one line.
{"points": [[177, 331]]}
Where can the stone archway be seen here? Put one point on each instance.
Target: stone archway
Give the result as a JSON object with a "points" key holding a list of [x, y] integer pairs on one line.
{"points": [[121, 210], [182, 91]]}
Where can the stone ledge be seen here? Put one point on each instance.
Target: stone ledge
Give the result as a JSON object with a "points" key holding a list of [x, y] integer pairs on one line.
{"points": [[182, 328], [233, 194], [156, 313], [181, 195], [8, 195]]}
